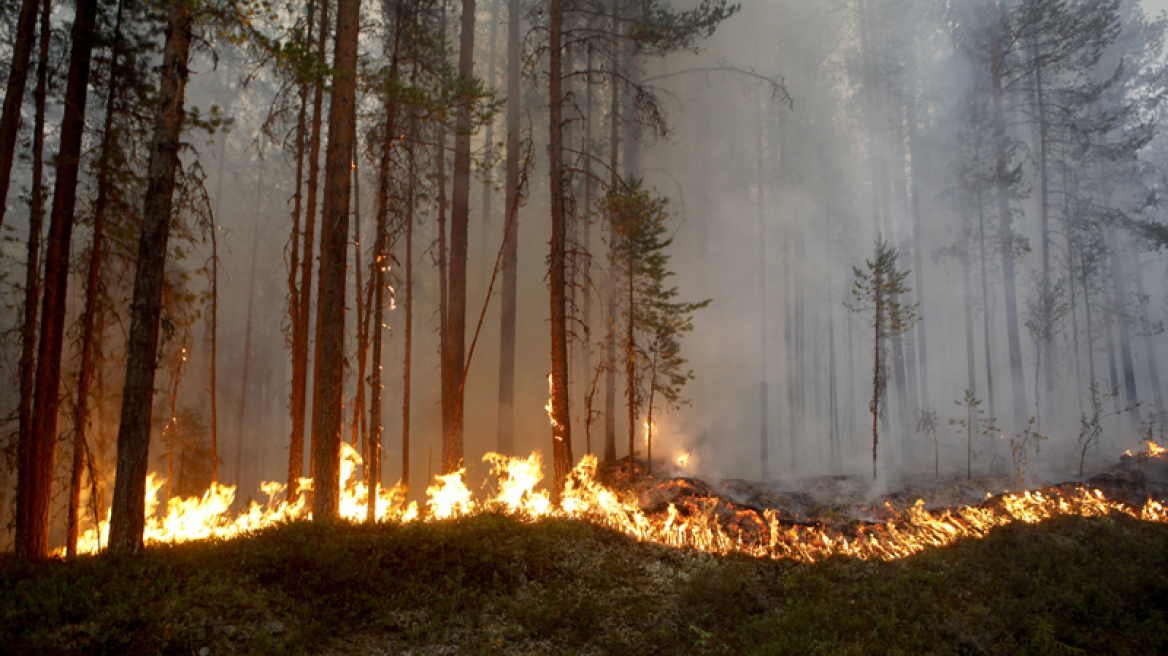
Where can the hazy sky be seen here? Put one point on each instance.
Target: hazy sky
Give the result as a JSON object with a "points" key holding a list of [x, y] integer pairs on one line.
{"points": [[1156, 5]]}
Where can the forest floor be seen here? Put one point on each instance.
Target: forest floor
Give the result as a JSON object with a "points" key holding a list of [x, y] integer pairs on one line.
{"points": [[493, 584]]}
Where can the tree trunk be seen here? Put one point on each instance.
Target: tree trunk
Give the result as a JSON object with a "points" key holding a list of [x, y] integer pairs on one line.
{"points": [[128, 513], [1005, 229], [455, 352], [409, 282], [489, 140], [14, 94], [763, 414], [300, 355], [327, 400], [987, 334], [1047, 345], [561, 422], [614, 188], [36, 484], [298, 294], [918, 168], [32, 267], [89, 335], [505, 441], [251, 290]]}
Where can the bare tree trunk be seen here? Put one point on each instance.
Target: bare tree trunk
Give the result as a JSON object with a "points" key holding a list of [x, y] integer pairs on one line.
{"points": [[36, 484], [32, 279], [327, 400], [987, 334], [492, 48], [505, 441], [561, 421], [14, 94], [251, 284], [1047, 345], [298, 294], [92, 289], [300, 355], [362, 309], [128, 513], [409, 337], [377, 282], [455, 352], [614, 188], [1005, 229], [919, 166], [1146, 328], [763, 305]]}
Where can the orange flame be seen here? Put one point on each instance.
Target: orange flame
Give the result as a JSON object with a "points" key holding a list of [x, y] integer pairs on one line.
{"points": [[902, 535]]}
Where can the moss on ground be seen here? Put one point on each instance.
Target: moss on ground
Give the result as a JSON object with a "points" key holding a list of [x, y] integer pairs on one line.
{"points": [[494, 585]]}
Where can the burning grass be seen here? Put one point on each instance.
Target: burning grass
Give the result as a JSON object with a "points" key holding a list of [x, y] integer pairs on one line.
{"points": [[496, 584]]}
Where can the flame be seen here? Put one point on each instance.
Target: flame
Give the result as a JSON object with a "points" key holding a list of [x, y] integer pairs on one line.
{"points": [[683, 460], [1154, 449], [548, 407], [694, 525]]}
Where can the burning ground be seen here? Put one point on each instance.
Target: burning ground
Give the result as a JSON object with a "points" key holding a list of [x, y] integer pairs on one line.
{"points": [[1065, 569]]}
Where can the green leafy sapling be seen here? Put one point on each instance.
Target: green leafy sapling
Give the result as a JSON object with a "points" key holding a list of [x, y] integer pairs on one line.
{"points": [[1103, 405], [975, 422], [1020, 446], [927, 425]]}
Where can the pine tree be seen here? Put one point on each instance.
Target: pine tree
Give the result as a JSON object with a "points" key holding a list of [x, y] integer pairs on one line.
{"points": [[874, 294]]}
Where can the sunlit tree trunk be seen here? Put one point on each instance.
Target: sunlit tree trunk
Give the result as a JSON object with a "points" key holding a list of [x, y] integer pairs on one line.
{"points": [[327, 399], [128, 512], [36, 480]]}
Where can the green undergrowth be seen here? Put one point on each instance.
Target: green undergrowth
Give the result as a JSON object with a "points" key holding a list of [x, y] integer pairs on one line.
{"points": [[494, 585]]}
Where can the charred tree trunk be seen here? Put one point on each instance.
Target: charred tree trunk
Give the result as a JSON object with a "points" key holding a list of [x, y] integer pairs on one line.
{"points": [[36, 483], [128, 513], [508, 300], [327, 400]]}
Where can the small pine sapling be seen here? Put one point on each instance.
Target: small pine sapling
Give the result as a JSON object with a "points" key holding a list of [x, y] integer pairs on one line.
{"points": [[874, 295]]}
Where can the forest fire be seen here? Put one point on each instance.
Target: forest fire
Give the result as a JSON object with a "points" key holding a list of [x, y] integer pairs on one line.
{"points": [[695, 521]]}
